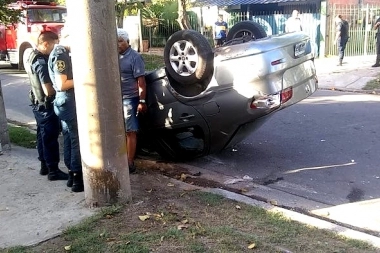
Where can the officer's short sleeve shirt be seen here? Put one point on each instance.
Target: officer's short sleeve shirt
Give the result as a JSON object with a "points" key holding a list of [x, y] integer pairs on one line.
{"points": [[60, 64], [40, 66]]}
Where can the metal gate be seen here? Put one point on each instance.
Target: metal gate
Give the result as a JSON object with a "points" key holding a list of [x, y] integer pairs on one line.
{"points": [[361, 19]]}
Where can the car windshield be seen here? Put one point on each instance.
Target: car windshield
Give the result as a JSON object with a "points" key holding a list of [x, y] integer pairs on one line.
{"points": [[47, 15]]}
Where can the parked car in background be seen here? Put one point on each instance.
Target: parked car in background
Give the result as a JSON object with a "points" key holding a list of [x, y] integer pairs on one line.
{"points": [[205, 100]]}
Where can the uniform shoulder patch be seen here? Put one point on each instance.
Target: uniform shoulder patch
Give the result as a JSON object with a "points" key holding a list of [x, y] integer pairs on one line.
{"points": [[61, 65]]}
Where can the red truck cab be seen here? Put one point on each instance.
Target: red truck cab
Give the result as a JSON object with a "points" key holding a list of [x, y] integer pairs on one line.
{"points": [[35, 17]]}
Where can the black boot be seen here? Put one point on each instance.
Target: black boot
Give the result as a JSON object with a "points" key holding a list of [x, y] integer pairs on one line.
{"points": [[77, 182], [70, 180], [44, 169], [57, 174]]}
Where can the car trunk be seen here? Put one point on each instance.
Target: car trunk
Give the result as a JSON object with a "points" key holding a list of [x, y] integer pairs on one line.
{"points": [[265, 66]]}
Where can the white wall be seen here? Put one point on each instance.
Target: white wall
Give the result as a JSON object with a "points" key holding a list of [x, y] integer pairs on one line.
{"points": [[132, 25]]}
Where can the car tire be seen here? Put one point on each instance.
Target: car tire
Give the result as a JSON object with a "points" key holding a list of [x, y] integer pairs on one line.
{"points": [[246, 28], [188, 57]]}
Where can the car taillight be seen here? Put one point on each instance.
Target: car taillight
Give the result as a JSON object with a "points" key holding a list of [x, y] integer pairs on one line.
{"points": [[276, 62], [286, 94]]}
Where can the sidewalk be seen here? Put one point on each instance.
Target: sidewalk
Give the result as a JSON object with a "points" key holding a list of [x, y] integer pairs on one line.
{"points": [[33, 209], [352, 76]]}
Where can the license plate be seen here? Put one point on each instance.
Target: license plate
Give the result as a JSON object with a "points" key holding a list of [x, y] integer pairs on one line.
{"points": [[299, 49]]}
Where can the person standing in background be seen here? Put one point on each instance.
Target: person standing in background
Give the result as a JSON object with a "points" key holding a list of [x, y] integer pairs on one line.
{"points": [[341, 37], [293, 24], [377, 27], [221, 29]]}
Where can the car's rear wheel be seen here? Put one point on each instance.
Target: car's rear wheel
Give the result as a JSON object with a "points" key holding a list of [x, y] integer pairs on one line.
{"points": [[248, 29], [188, 57]]}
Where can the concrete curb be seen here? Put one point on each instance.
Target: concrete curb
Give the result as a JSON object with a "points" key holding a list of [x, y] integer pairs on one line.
{"points": [[302, 218]]}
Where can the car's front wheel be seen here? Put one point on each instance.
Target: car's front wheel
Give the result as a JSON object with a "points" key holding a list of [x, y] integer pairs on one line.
{"points": [[248, 29], [188, 57]]}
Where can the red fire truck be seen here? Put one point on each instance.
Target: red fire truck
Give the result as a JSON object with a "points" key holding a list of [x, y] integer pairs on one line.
{"points": [[36, 16]]}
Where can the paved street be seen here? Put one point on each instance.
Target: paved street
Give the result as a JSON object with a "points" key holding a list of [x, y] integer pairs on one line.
{"points": [[319, 153], [15, 87]]}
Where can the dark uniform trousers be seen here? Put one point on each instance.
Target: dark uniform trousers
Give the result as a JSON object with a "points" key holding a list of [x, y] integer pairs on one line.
{"points": [[64, 107], [47, 135]]}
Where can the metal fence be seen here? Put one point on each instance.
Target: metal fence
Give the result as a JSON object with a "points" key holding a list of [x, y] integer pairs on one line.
{"points": [[361, 19], [273, 23]]}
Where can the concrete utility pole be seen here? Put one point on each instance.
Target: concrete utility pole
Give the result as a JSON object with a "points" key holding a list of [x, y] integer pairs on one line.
{"points": [[95, 60], [4, 135]]}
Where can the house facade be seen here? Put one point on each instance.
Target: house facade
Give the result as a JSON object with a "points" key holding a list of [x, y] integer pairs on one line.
{"points": [[316, 15], [271, 14]]}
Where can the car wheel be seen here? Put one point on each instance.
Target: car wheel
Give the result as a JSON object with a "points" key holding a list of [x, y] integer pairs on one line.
{"points": [[188, 57], [249, 29]]}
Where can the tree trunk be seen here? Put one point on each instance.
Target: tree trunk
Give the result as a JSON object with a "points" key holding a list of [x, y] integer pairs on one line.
{"points": [[183, 19], [4, 135], [101, 133]]}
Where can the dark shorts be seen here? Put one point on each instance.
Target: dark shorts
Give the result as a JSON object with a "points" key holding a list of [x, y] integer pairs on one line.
{"points": [[130, 114]]}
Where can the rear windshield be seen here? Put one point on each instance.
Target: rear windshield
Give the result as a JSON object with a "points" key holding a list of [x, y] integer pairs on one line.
{"points": [[46, 15]]}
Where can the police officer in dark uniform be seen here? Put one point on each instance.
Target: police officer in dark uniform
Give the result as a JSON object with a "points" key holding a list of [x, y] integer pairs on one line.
{"points": [[377, 26], [61, 74], [42, 96]]}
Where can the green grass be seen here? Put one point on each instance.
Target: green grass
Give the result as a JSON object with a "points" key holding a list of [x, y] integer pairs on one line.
{"points": [[22, 136], [373, 84], [153, 62]]}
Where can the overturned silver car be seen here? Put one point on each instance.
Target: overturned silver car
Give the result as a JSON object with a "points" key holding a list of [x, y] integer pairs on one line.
{"points": [[205, 100]]}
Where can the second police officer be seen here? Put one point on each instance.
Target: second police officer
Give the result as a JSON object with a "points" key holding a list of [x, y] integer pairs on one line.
{"points": [[61, 74]]}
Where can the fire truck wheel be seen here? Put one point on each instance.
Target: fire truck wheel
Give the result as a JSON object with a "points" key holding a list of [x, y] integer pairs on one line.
{"points": [[25, 56], [24, 52]]}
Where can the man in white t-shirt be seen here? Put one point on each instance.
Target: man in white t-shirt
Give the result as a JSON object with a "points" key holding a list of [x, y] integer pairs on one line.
{"points": [[293, 24]]}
